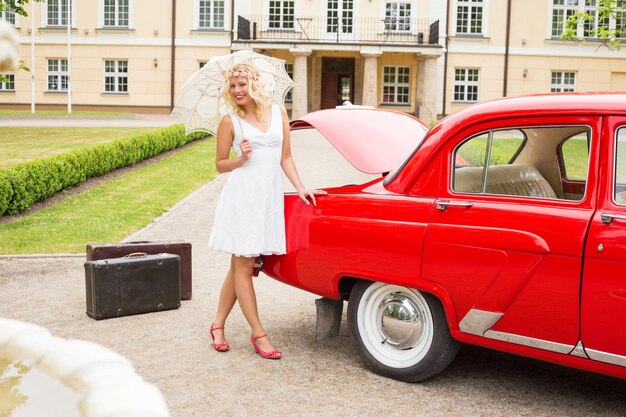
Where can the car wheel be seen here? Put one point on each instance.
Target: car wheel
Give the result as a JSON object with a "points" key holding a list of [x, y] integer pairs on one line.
{"points": [[401, 333]]}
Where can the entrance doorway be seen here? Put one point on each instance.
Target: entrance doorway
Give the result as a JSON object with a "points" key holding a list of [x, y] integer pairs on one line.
{"points": [[337, 81]]}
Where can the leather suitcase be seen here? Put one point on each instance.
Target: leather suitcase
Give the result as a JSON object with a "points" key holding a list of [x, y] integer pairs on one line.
{"points": [[180, 248], [135, 284]]}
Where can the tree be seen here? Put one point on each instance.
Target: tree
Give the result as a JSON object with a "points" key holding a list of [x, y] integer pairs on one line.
{"points": [[607, 24], [16, 6]]}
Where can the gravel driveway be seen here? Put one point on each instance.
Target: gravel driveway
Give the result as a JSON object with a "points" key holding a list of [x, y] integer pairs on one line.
{"points": [[172, 349]]}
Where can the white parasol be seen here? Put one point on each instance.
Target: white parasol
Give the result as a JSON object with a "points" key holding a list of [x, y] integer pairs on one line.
{"points": [[200, 105]]}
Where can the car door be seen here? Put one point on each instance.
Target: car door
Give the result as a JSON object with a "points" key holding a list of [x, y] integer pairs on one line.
{"points": [[604, 277], [503, 240]]}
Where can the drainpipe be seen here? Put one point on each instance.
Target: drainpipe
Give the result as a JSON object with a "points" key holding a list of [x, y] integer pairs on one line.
{"points": [[173, 58], [506, 49], [445, 60], [232, 23]]}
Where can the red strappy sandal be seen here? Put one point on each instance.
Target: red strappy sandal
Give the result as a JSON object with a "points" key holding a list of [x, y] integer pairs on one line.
{"points": [[220, 347], [274, 354]]}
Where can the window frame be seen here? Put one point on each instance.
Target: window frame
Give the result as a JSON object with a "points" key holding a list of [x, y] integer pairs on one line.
{"points": [[289, 70], [562, 87], [396, 85], [582, 28], [466, 83], [116, 14], [392, 23], [282, 23], [4, 85], [472, 5], [59, 74], [329, 27], [210, 20], [60, 15], [561, 160], [116, 75], [615, 170], [10, 17]]}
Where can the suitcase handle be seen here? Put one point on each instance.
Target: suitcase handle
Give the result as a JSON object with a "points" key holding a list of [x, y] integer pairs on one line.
{"points": [[136, 255]]}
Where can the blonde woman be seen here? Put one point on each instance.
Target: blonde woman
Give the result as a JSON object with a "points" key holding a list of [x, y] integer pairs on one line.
{"points": [[249, 218]]}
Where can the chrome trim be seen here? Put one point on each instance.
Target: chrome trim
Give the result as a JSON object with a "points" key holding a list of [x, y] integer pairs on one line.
{"points": [[611, 358], [477, 322], [579, 350], [442, 205], [607, 218], [529, 341]]}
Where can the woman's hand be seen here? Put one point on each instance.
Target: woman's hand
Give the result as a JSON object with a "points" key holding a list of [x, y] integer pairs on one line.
{"points": [[246, 149], [303, 193]]}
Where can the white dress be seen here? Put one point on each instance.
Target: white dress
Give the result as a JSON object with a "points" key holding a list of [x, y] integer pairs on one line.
{"points": [[249, 218]]}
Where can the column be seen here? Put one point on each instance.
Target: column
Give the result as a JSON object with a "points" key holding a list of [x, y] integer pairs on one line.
{"points": [[299, 106], [370, 77], [426, 99]]}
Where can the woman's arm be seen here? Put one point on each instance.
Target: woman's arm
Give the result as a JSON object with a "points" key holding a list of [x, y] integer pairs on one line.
{"points": [[225, 137], [289, 167]]}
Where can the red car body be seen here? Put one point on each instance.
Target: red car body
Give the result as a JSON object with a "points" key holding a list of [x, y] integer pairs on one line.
{"points": [[526, 255]]}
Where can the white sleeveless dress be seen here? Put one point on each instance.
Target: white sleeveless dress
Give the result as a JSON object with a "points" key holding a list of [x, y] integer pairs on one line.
{"points": [[249, 218]]}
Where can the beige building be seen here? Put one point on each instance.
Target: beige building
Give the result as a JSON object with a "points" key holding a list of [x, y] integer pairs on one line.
{"points": [[379, 53], [424, 57], [122, 53], [489, 58]]}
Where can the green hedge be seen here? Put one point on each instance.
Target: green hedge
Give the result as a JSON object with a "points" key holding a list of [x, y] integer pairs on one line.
{"points": [[27, 183]]}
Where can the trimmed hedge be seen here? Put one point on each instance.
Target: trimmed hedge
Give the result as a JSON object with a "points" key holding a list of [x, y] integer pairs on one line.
{"points": [[27, 183]]}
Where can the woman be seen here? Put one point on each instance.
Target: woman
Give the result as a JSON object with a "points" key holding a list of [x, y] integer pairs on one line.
{"points": [[249, 218]]}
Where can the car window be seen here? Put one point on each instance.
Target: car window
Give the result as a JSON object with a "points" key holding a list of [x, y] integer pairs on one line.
{"points": [[620, 167], [512, 162], [575, 156]]}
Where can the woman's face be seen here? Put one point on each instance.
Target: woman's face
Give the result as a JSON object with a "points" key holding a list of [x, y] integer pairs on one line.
{"points": [[239, 90]]}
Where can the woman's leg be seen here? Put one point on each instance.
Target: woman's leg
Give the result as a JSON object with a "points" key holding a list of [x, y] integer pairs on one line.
{"points": [[246, 296], [225, 304]]}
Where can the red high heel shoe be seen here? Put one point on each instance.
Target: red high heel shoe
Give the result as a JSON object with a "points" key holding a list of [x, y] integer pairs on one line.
{"points": [[220, 347], [274, 354]]}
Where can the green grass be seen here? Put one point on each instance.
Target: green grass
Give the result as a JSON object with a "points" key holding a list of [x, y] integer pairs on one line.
{"points": [[23, 144], [60, 113], [113, 210]]}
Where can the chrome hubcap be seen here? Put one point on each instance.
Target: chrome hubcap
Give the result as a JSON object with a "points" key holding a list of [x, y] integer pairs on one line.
{"points": [[400, 322]]}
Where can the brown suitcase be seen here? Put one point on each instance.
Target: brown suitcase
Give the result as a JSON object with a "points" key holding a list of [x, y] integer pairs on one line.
{"points": [[177, 247], [135, 284]]}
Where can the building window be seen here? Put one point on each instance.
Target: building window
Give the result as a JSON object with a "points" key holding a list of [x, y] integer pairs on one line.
{"points": [[466, 84], [8, 16], [469, 17], [397, 16], [396, 85], [58, 75], [201, 64], [562, 82], [587, 28], [57, 12], [7, 82], [340, 12], [211, 14], [115, 76], [116, 13], [281, 14], [289, 69]]}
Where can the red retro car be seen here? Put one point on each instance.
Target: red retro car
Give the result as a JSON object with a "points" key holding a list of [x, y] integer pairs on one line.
{"points": [[504, 226]]}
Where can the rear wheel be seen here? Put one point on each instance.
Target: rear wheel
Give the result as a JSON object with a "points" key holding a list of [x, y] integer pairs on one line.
{"points": [[401, 333]]}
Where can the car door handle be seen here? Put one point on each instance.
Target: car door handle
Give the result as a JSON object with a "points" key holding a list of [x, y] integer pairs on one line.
{"points": [[442, 205], [607, 218]]}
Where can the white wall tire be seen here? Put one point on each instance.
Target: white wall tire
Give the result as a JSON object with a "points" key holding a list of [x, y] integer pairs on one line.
{"points": [[400, 332]]}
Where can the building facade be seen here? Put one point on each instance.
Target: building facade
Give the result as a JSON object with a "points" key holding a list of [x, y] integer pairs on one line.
{"points": [[500, 48], [424, 57]]}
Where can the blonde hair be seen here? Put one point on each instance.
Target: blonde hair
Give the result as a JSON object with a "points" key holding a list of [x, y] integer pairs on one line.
{"points": [[256, 89]]}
